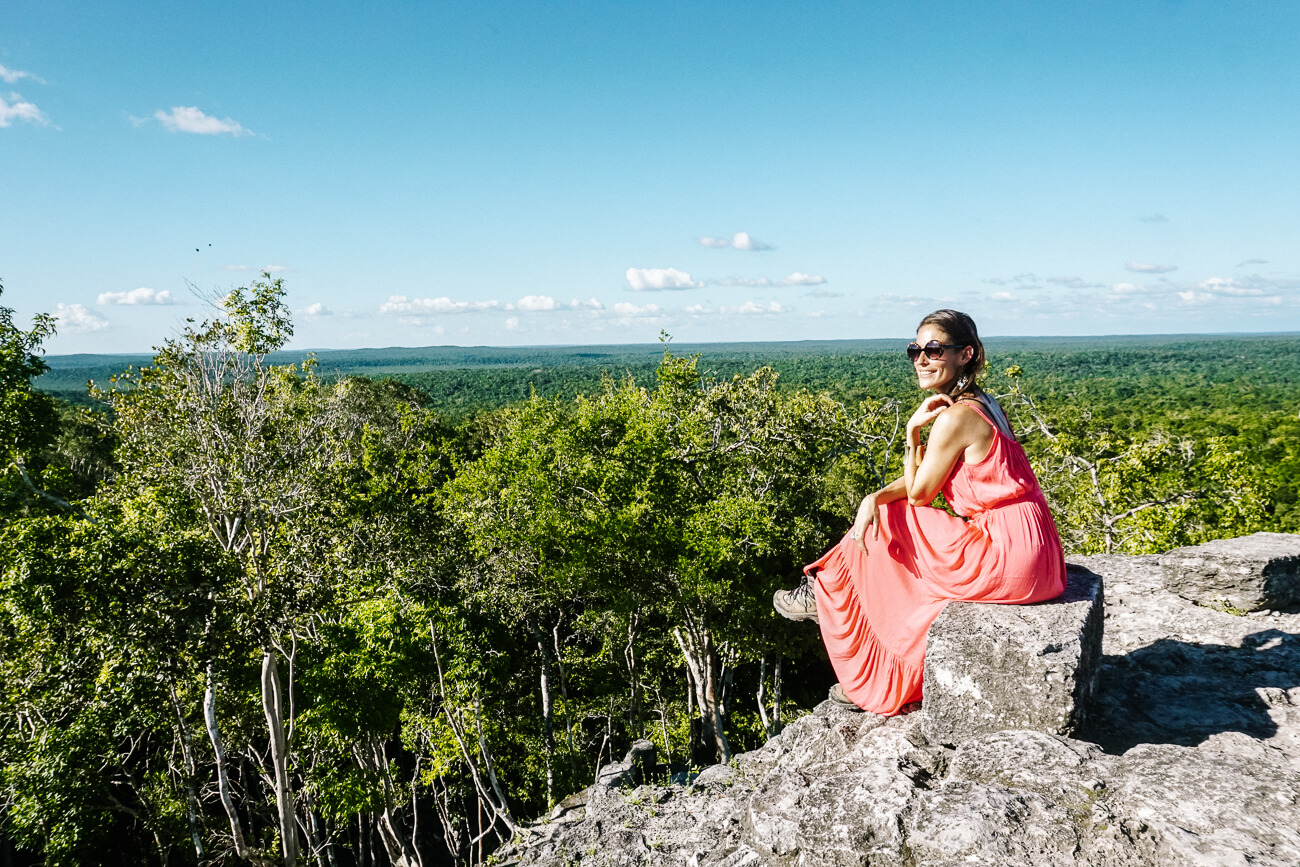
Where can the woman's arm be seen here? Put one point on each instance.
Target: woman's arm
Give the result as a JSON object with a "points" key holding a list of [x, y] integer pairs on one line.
{"points": [[926, 468], [868, 517]]}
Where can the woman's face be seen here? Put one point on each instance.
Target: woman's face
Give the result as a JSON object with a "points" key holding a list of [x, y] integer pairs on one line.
{"points": [[938, 374]]}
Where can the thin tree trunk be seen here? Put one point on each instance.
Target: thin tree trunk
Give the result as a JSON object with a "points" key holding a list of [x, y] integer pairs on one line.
{"points": [[372, 757], [776, 695], [703, 662], [489, 791], [272, 705], [223, 775], [564, 687], [191, 771], [548, 720], [629, 655]]}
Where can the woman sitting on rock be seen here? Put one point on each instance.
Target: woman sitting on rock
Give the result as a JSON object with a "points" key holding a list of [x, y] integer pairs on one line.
{"points": [[876, 593]]}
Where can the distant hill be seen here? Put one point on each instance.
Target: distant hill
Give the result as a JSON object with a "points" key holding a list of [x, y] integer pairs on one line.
{"points": [[69, 374]]}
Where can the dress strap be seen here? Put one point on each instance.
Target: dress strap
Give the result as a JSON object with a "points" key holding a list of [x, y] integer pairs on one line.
{"points": [[992, 413]]}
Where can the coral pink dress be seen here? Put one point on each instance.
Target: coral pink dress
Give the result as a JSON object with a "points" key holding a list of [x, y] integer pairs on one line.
{"points": [[874, 608]]}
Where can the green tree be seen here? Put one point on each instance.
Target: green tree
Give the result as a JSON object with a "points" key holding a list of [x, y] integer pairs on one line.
{"points": [[28, 418], [1142, 492], [242, 444]]}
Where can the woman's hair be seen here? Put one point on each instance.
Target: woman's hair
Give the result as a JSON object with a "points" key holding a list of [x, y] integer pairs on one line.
{"points": [[960, 329]]}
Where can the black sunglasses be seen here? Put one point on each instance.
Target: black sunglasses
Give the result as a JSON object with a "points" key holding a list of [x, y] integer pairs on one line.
{"points": [[933, 350]]}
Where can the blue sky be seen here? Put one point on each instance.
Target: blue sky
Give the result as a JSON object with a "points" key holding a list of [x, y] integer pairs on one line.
{"points": [[567, 173]]}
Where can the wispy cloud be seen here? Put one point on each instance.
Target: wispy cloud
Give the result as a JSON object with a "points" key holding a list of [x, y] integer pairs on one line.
{"points": [[800, 279], [1002, 297], [16, 108], [188, 118], [738, 241], [401, 305], [755, 308], [534, 304], [143, 295], [1147, 268], [76, 319], [747, 308], [795, 279], [1154, 218], [313, 311], [659, 279], [1252, 262], [625, 309], [1075, 283], [12, 76], [824, 293], [1022, 280]]}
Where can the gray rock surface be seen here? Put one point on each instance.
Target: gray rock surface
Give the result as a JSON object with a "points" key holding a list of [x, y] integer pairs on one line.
{"points": [[1257, 571], [1190, 756], [994, 667]]}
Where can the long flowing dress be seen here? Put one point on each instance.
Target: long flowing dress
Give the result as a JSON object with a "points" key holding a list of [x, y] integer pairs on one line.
{"points": [[874, 607]]}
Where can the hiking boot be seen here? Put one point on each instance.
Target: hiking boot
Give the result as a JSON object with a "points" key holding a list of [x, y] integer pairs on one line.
{"points": [[799, 603], [840, 700]]}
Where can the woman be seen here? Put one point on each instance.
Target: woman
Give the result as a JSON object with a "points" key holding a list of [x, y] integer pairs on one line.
{"points": [[876, 593]]}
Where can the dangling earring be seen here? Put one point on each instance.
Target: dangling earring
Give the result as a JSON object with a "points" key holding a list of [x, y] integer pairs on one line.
{"points": [[961, 384]]}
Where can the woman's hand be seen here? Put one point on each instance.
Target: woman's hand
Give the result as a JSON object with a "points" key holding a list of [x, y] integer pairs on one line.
{"points": [[927, 412], [867, 521]]}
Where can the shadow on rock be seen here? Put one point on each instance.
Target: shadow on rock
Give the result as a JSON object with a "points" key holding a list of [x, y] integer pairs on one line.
{"points": [[1179, 692]]}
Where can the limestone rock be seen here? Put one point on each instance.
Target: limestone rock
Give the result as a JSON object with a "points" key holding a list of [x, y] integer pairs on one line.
{"points": [[993, 667], [1190, 755], [1253, 572]]}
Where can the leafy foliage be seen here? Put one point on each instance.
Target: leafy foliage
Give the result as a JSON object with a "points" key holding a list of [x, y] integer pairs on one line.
{"points": [[255, 612]]}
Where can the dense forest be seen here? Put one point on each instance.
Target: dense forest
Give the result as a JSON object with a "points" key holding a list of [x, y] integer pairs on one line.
{"points": [[381, 607]]}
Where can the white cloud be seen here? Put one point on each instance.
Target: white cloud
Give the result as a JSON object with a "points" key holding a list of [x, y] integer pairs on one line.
{"points": [[1127, 289], [825, 293], [536, 303], [76, 319], [1192, 298], [590, 304], [143, 295], [10, 76], [1252, 262], [17, 108], [754, 308], [623, 308], [738, 241], [402, 305], [1020, 280], [512, 323], [1002, 296], [318, 309], [696, 309], [657, 279], [189, 119], [800, 279], [1222, 286], [1074, 283], [1146, 268]]}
